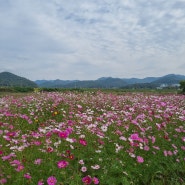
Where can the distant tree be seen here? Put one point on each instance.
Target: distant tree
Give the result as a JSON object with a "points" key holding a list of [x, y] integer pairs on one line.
{"points": [[182, 85]]}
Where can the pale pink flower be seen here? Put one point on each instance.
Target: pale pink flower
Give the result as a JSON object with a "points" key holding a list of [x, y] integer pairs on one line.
{"points": [[83, 169], [81, 162], [153, 139], [170, 153], [156, 147], [165, 153], [140, 159], [95, 167], [146, 148], [177, 160], [38, 161]]}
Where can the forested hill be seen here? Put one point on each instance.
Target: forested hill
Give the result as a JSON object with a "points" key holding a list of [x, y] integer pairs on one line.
{"points": [[11, 80], [109, 82], [8, 79]]}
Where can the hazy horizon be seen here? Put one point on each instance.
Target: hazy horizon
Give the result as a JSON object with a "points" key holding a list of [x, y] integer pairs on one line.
{"points": [[87, 40]]}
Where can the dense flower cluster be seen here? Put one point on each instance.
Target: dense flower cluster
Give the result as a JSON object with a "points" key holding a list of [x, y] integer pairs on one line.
{"points": [[91, 138]]}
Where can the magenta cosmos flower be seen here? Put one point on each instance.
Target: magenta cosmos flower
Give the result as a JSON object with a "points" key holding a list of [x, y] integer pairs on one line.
{"points": [[87, 180], [51, 180], [83, 142], [63, 134], [62, 164], [135, 137]]}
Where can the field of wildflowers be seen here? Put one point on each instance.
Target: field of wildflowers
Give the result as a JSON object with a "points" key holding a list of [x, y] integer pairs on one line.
{"points": [[92, 138]]}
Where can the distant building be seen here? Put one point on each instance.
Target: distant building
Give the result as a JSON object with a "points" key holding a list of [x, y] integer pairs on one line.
{"points": [[162, 86]]}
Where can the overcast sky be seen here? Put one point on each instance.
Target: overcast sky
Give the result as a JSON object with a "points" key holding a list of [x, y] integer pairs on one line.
{"points": [[88, 39]]}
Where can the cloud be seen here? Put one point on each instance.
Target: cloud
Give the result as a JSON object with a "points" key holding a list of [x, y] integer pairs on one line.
{"points": [[89, 39]]}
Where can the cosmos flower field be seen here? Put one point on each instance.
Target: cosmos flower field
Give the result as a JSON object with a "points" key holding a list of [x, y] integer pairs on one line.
{"points": [[92, 138]]}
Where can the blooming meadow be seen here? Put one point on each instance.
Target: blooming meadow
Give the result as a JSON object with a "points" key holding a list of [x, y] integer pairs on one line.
{"points": [[92, 138]]}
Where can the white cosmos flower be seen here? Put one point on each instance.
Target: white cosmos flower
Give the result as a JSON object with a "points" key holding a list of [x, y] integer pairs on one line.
{"points": [[104, 128], [95, 167]]}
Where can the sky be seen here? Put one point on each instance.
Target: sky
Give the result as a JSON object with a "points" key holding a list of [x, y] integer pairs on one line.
{"points": [[89, 39]]}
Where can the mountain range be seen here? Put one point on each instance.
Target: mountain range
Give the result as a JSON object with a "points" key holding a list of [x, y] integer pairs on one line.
{"points": [[12, 80], [109, 82]]}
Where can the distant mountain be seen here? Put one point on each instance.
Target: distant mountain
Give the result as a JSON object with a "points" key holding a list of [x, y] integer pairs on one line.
{"points": [[54, 83], [169, 79], [11, 80], [137, 80], [39, 82], [109, 82]]}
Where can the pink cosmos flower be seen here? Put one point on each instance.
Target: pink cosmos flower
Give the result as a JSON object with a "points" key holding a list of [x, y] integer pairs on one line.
{"points": [[69, 130], [63, 134], [135, 137], [163, 104], [87, 180], [95, 180], [15, 162], [165, 153], [27, 176], [153, 139], [48, 134], [1, 132], [40, 182], [50, 149], [156, 147], [81, 162], [3, 181], [170, 153], [38, 161], [19, 168], [51, 180], [146, 148], [11, 134], [79, 106], [83, 169], [140, 159], [83, 142], [37, 143], [62, 164]]}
